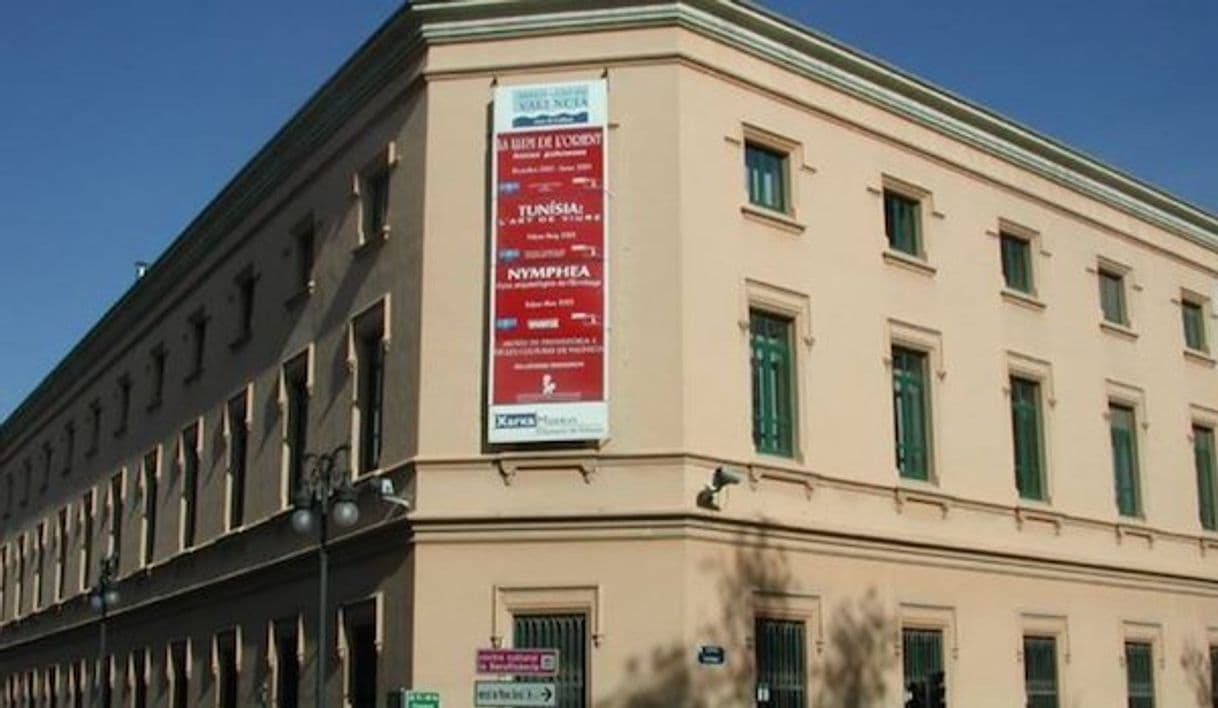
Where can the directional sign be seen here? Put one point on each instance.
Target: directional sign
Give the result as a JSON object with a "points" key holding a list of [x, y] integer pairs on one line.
{"points": [[518, 662], [422, 699], [711, 655], [515, 695]]}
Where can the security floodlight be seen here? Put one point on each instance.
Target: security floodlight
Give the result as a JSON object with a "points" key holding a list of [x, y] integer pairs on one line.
{"points": [[722, 477], [384, 489]]}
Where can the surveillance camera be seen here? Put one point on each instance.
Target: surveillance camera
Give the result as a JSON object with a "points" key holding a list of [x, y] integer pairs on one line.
{"points": [[724, 476], [384, 486]]}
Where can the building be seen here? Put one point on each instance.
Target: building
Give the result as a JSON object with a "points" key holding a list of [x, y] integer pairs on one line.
{"points": [[951, 385]]}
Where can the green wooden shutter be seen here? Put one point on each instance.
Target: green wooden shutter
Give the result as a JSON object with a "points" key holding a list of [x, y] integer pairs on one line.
{"points": [[1026, 436], [765, 171], [1194, 326], [568, 634], [1125, 458], [1140, 674], [1203, 453], [922, 657], [1112, 297], [781, 663], [1016, 263], [911, 413], [773, 383], [1040, 671], [902, 223]]}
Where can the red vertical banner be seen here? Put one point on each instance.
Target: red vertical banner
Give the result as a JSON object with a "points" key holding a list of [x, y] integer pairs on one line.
{"points": [[547, 358]]}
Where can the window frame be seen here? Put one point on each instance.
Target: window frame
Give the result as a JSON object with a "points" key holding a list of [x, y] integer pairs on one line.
{"points": [[894, 193], [1015, 380], [377, 171], [1196, 336], [1107, 271], [231, 434], [1115, 404], [149, 490], [776, 157], [783, 347], [1010, 245], [924, 400], [188, 504], [346, 653], [1207, 479], [368, 331], [292, 466], [218, 669]]}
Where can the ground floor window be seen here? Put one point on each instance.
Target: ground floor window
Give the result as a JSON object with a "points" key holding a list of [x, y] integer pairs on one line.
{"points": [[925, 679], [779, 653], [1040, 671], [360, 628], [1140, 674], [179, 674], [226, 669], [139, 679], [568, 634], [287, 665]]}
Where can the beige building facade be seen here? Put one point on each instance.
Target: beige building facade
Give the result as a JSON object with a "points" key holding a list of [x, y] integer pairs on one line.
{"points": [[950, 383]]}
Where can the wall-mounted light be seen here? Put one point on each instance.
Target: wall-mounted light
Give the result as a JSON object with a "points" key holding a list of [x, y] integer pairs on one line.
{"points": [[722, 477]]}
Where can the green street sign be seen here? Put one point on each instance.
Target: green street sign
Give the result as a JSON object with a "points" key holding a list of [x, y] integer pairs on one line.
{"points": [[422, 699]]}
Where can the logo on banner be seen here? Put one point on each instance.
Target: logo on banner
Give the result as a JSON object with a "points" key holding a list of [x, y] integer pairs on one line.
{"points": [[550, 105], [515, 421]]}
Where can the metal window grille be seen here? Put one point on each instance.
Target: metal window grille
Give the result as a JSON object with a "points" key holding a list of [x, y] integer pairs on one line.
{"points": [[765, 171], [773, 383], [1139, 672], [781, 663], [902, 223], [911, 413], [1125, 458], [1026, 436], [1040, 671], [922, 659], [568, 634]]}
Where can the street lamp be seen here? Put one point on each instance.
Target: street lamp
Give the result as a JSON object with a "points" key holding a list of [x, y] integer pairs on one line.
{"points": [[102, 597], [325, 494]]}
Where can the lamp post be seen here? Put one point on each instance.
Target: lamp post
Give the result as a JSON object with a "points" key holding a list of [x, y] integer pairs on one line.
{"points": [[102, 597], [325, 493]]}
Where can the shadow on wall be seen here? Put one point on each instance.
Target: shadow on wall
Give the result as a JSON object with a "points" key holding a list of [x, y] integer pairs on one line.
{"points": [[848, 671], [1197, 667]]}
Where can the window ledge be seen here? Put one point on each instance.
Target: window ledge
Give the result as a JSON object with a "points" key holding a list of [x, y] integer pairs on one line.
{"points": [[1028, 300], [1118, 330], [301, 295], [1201, 357], [772, 218], [371, 244], [908, 262]]}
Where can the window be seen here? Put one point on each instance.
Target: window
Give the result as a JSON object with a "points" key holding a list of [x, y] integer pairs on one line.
{"points": [[245, 305], [94, 427], [107, 681], [226, 671], [238, 446], [19, 594], [779, 653], [304, 257], [1016, 262], [1040, 671], [370, 384], [179, 675], [48, 456], [69, 446], [1214, 675], [1140, 674], [124, 404], [39, 563], [360, 635], [28, 473], [296, 390], [139, 679], [1112, 297], [1027, 437], [116, 519], [76, 686], [3, 580], [773, 383], [10, 491], [189, 446], [568, 634], [150, 474], [86, 539], [287, 664], [198, 344], [1193, 315], [61, 554], [1124, 433], [50, 679], [902, 223], [766, 174], [374, 204], [911, 412], [1207, 485], [159, 357], [924, 676]]}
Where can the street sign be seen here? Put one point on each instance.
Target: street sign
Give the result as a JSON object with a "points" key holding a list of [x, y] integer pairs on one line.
{"points": [[514, 695], [710, 655], [422, 699], [518, 662]]}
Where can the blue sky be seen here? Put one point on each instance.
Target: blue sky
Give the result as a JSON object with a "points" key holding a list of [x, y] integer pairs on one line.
{"points": [[120, 120]]}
